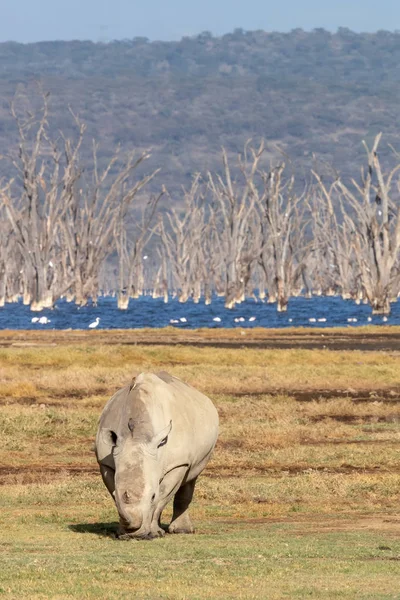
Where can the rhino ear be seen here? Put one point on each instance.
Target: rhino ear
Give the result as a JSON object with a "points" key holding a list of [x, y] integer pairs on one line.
{"points": [[162, 438]]}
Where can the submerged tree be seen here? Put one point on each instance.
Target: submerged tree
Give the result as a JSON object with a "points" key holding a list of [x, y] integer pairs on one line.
{"points": [[63, 217], [283, 246], [371, 220], [234, 203]]}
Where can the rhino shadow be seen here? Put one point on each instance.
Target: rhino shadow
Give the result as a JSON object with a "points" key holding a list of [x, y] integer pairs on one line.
{"points": [[100, 529]]}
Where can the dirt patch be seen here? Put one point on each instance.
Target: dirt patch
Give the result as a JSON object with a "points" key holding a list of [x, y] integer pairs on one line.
{"points": [[385, 396], [389, 396], [358, 419], [314, 524], [337, 442], [25, 474], [385, 339], [250, 470]]}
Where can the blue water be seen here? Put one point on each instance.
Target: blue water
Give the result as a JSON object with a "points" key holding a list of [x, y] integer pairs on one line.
{"points": [[149, 312]]}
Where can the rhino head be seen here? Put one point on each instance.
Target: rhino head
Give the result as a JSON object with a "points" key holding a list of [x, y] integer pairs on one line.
{"points": [[139, 463]]}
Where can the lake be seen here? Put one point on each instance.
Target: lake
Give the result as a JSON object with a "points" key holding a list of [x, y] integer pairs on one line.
{"points": [[149, 312]]}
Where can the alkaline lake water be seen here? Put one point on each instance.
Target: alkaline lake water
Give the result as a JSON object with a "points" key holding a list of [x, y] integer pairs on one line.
{"points": [[149, 312]]}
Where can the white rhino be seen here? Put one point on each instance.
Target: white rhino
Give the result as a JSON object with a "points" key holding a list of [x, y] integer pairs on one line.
{"points": [[154, 439]]}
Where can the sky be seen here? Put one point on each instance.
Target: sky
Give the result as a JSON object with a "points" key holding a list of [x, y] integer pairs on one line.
{"points": [[105, 20]]}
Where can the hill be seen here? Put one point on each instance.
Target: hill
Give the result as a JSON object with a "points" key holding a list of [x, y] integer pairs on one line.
{"points": [[307, 93]]}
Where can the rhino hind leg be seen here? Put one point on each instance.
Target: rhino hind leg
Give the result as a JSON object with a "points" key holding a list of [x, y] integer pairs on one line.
{"points": [[181, 522]]}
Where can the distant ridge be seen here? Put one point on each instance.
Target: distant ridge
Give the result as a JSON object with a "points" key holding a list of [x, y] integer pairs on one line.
{"points": [[316, 92]]}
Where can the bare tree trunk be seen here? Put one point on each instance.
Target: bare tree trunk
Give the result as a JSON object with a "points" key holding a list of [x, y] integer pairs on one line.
{"points": [[235, 204], [372, 221]]}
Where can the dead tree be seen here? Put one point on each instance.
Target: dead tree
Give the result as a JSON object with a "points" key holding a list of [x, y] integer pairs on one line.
{"points": [[88, 224], [332, 264], [372, 220], [283, 247], [234, 202], [130, 245], [181, 234], [11, 262], [36, 201], [160, 284]]}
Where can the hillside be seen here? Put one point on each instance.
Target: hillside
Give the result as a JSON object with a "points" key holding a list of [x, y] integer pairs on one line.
{"points": [[308, 93]]}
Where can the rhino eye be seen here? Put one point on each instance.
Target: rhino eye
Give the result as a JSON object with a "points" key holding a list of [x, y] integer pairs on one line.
{"points": [[113, 437], [163, 442]]}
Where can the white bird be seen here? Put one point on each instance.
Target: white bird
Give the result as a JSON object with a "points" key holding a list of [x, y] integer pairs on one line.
{"points": [[183, 319], [312, 320], [369, 319], [174, 321], [290, 320], [44, 320], [252, 319], [323, 320], [241, 319], [94, 324], [217, 319], [35, 319], [236, 319], [384, 319], [145, 257]]}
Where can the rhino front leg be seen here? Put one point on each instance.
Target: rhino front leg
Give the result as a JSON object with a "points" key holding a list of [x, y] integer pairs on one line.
{"points": [[181, 522]]}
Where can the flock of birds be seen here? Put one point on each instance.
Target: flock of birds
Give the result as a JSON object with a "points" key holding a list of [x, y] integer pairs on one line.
{"points": [[252, 319], [41, 320], [216, 319], [45, 320]]}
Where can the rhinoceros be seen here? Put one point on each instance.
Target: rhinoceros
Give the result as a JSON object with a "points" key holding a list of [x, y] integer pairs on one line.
{"points": [[154, 438]]}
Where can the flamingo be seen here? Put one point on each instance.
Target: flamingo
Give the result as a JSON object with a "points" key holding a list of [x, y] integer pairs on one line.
{"points": [[95, 323]]}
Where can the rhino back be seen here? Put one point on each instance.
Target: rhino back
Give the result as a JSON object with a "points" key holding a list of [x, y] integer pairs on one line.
{"points": [[150, 403], [194, 417]]}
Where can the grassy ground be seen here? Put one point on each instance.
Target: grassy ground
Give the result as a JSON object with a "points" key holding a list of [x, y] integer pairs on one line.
{"points": [[299, 501]]}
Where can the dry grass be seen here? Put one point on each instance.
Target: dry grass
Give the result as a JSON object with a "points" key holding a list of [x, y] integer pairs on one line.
{"points": [[91, 373], [306, 486]]}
